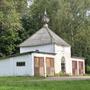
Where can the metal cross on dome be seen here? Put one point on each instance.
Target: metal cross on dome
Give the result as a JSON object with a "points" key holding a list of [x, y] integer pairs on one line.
{"points": [[45, 18]]}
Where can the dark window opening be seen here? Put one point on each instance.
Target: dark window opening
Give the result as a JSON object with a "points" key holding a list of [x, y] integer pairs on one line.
{"points": [[20, 64], [63, 64], [63, 67]]}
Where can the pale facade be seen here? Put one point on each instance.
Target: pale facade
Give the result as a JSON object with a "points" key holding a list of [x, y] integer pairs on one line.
{"points": [[60, 52]]}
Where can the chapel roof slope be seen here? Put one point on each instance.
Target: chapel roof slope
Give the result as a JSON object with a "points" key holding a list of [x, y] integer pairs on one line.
{"points": [[42, 37]]}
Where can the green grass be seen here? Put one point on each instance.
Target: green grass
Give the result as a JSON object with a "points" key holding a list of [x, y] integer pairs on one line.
{"points": [[30, 83]]}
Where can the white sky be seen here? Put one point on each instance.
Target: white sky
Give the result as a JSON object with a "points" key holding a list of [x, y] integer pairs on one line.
{"points": [[88, 13], [29, 2]]}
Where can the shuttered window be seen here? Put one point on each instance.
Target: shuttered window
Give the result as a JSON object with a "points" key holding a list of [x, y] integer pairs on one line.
{"points": [[63, 64], [20, 63]]}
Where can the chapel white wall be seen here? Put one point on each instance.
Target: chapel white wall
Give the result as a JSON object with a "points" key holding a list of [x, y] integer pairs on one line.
{"points": [[43, 48], [8, 66], [62, 51]]}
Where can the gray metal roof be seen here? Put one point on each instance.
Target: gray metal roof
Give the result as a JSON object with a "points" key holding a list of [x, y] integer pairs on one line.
{"points": [[42, 37], [26, 53]]}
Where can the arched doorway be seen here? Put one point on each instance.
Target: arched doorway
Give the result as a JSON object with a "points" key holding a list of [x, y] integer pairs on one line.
{"points": [[63, 66]]}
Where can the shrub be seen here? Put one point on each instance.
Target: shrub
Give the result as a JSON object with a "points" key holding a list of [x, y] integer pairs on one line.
{"points": [[62, 74]]}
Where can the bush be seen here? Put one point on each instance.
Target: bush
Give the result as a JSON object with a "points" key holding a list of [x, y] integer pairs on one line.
{"points": [[62, 74], [88, 69]]}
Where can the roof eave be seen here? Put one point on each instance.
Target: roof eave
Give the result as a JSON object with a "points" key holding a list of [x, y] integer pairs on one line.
{"points": [[34, 45]]}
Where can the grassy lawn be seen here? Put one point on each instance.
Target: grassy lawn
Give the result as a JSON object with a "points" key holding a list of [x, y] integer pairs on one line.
{"points": [[26, 83]]}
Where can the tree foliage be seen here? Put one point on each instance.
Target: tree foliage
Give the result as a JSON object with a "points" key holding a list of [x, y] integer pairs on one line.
{"points": [[10, 26]]}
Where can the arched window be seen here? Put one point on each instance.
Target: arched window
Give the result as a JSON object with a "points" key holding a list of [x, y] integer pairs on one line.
{"points": [[63, 64]]}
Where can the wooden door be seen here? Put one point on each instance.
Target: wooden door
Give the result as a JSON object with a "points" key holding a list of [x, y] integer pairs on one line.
{"points": [[80, 68], [74, 67], [38, 66], [50, 66], [41, 67]]}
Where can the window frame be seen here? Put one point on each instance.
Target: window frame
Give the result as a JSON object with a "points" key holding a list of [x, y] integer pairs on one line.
{"points": [[63, 64], [21, 64]]}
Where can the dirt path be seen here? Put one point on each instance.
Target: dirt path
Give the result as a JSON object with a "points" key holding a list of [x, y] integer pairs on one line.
{"points": [[69, 78]]}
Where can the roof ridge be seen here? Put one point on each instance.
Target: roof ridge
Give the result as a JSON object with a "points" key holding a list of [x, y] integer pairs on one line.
{"points": [[49, 34], [58, 37]]}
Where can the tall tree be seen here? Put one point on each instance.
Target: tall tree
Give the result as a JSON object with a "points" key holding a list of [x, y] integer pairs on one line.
{"points": [[10, 25]]}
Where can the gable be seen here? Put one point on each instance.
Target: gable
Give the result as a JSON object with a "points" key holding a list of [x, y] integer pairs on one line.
{"points": [[42, 37]]}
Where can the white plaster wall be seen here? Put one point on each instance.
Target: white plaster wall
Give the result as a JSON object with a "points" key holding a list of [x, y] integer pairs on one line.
{"points": [[60, 52], [5, 67], [8, 66], [42, 48], [23, 70], [68, 60]]}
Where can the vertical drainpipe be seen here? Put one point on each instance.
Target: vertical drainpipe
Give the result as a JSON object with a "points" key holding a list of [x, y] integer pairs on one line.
{"points": [[84, 66], [45, 74], [53, 47], [54, 56], [77, 67], [32, 56]]}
